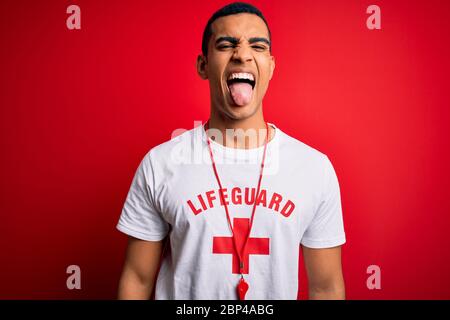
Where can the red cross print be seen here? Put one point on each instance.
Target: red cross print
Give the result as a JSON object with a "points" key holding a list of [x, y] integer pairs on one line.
{"points": [[224, 245]]}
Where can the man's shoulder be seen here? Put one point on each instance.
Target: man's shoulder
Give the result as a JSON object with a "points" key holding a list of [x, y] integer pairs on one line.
{"points": [[182, 148], [301, 150], [177, 146]]}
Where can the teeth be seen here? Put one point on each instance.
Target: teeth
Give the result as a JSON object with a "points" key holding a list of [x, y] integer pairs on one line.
{"points": [[241, 75]]}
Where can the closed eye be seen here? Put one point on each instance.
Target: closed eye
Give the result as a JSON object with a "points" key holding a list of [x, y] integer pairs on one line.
{"points": [[259, 48], [226, 46]]}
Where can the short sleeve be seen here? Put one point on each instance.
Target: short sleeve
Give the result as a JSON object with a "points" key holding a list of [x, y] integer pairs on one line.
{"points": [[326, 229], [140, 217]]}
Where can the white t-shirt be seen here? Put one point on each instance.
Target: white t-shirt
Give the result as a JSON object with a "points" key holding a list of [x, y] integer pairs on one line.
{"points": [[174, 192]]}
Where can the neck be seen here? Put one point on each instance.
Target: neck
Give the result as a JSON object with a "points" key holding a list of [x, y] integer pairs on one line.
{"points": [[240, 133]]}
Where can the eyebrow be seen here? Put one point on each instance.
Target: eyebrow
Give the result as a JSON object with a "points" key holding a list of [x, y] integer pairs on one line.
{"points": [[235, 41]]}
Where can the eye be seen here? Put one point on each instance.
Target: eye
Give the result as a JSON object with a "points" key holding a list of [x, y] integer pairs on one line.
{"points": [[226, 46], [259, 48]]}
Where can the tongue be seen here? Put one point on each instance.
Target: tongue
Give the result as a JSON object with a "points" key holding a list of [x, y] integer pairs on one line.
{"points": [[241, 93]]}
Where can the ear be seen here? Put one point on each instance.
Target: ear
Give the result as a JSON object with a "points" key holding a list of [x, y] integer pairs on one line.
{"points": [[201, 67], [272, 66]]}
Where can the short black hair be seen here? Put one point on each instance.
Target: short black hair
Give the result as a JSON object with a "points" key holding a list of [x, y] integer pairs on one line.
{"points": [[229, 9]]}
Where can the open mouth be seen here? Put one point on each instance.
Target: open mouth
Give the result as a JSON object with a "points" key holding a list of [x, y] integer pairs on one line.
{"points": [[243, 80], [241, 85]]}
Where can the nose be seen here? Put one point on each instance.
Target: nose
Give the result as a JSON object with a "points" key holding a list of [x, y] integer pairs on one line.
{"points": [[242, 53]]}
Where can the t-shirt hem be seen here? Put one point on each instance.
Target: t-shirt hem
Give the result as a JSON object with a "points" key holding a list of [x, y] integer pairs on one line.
{"points": [[140, 235], [325, 243]]}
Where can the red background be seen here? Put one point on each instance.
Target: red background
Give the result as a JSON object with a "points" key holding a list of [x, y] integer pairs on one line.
{"points": [[80, 108]]}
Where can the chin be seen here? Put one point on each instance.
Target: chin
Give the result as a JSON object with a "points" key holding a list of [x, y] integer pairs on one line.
{"points": [[240, 113]]}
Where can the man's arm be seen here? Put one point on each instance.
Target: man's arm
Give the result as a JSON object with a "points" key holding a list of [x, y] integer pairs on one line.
{"points": [[324, 270], [140, 268]]}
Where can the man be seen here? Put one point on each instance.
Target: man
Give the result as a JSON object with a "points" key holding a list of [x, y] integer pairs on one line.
{"points": [[233, 221]]}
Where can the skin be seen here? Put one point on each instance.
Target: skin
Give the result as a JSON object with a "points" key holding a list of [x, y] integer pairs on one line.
{"points": [[140, 269], [324, 271], [323, 266], [225, 56]]}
